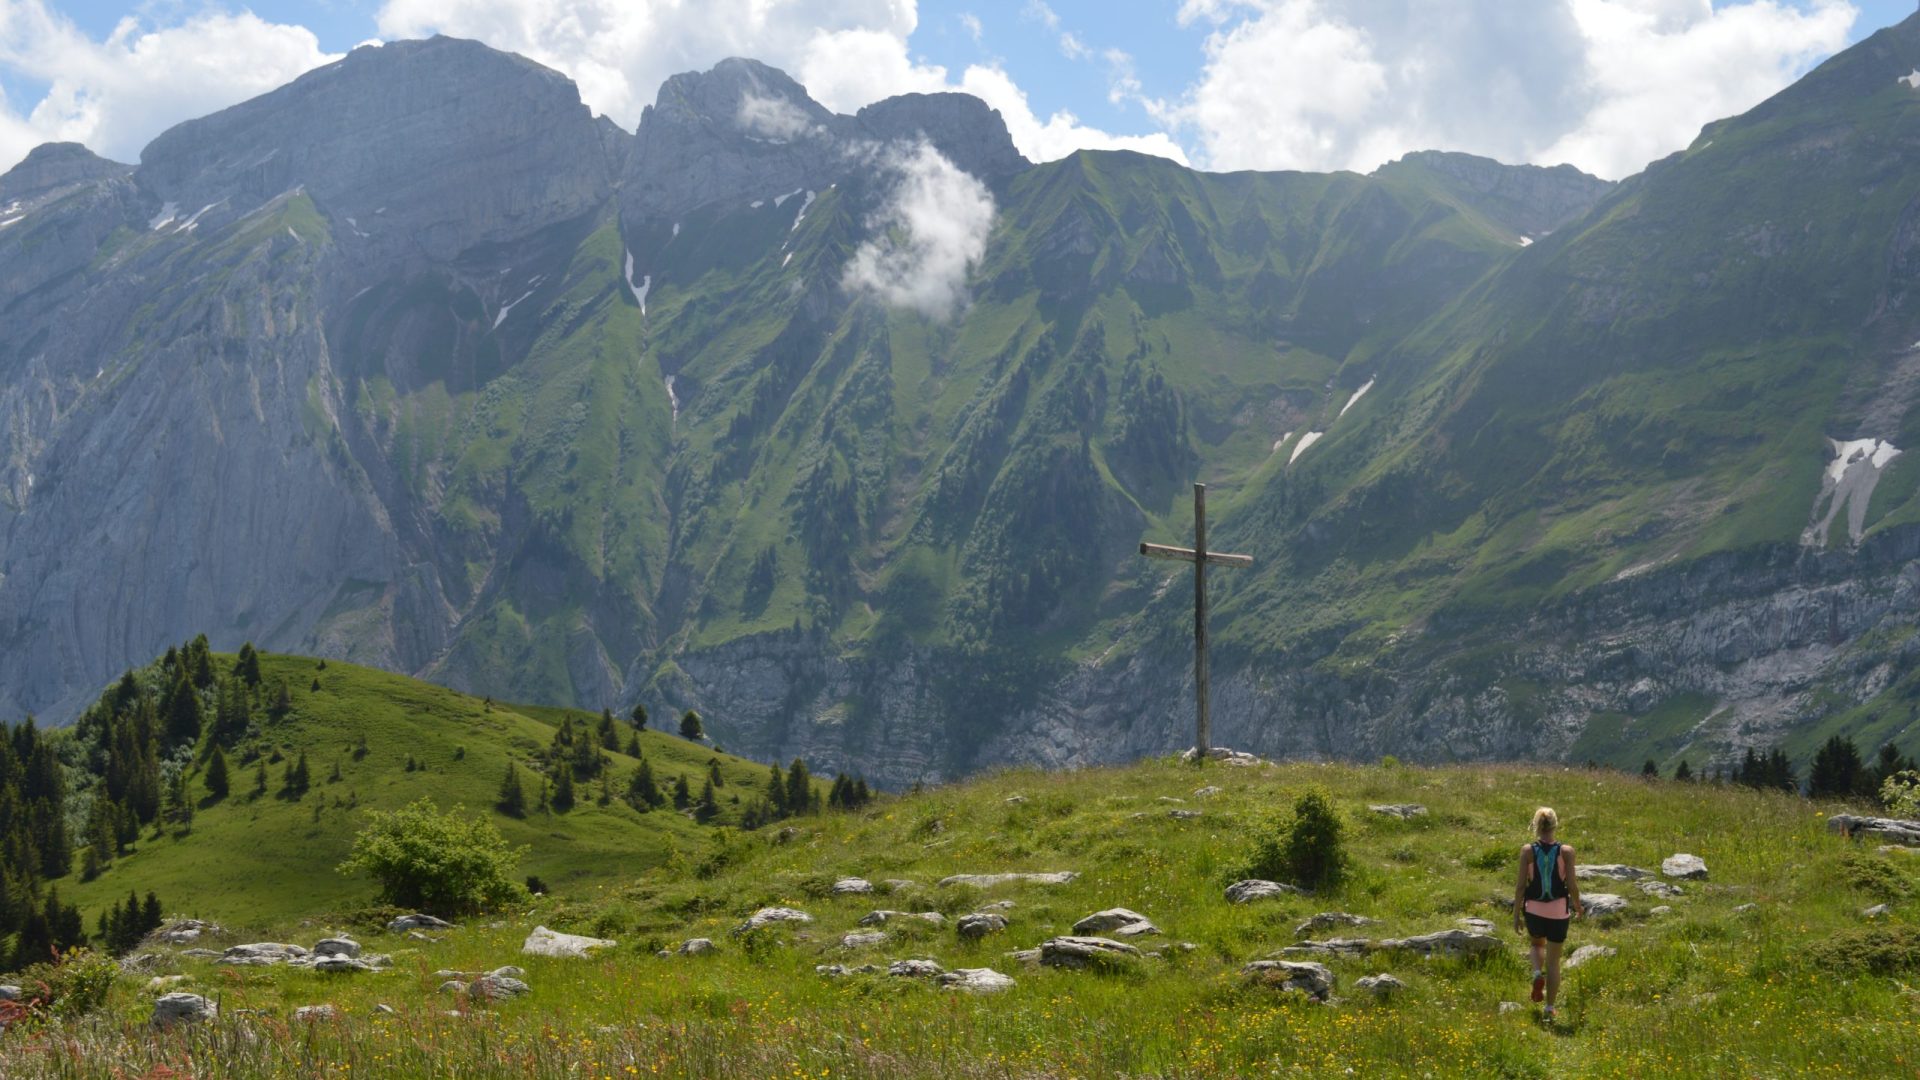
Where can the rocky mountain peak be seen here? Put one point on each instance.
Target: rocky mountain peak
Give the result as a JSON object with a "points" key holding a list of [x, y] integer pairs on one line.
{"points": [[743, 130], [446, 142], [1532, 200], [55, 165], [961, 126]]}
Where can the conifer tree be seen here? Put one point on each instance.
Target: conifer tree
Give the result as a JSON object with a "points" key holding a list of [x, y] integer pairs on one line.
{"points": [[512, 801], [776, 791], [713, 773], [643, 794], [638, 716], [260, 780], [216, 779], [707, 808], [633, 745], [248, 665], [1836, 771], [1683, 771], [1650, 769], [799, 788], [609, 734], [691, 728], [682, 794], [563, 789]]}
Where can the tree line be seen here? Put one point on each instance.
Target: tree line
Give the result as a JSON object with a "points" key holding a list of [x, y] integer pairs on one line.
{"points": [[1837, 771]]}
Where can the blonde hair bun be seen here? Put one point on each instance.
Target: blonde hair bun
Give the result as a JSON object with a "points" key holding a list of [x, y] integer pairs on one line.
{"points": [[1545, 821]]}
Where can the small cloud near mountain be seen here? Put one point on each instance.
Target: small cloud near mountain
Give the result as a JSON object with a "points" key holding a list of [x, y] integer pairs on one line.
{"points": [[927, 236]]}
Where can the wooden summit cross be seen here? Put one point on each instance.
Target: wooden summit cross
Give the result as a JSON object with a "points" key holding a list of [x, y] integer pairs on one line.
{"points": [[1199, 556]]}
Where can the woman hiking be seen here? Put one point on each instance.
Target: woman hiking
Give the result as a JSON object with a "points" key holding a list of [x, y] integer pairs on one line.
{"points": [[1546, 898]]}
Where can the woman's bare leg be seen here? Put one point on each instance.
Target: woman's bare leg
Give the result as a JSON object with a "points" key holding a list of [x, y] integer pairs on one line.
{"points": [[1553, 971], [1539, 953]]}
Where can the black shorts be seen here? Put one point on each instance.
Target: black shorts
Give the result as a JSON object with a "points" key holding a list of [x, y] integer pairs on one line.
{"points": [[1554, 930]]}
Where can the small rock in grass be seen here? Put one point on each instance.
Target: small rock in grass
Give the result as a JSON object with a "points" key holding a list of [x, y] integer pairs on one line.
{"points": [[261, 953], [1120, 921], [894, 884], [1327, 920], [545, 942], [1445, 942], [851, 886], [1587, 952], [494, 987], [1184, 815], [835, 971], [314, 1013], [1877, 911], [1685, 867], [1597, 905], [863, 939], [1510, 1007], [1313, 980], [507, 972], [698, 946], [998, 905], [988, 881], [915, 969], [1207, 792], [1244, 892], [768, 916], [1660, 910], [1076, 952], [883, 916], [1659, 888], [1399, 810], [10, 992], [1478, 926], [980, 924], [1016, 800], [453, 986], [1381, 985], [1330, 947], [337, 946], [418, 921], [182, 1008], [158, 982], [1614, 871], [975, 981], [1744, 908], [1029, 957], [339, 963]]}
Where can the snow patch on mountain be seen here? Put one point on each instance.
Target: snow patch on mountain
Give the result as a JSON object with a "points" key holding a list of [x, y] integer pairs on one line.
{"points": [[1847, 485]]}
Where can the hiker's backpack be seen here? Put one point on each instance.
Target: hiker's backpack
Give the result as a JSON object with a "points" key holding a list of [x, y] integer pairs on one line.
{"points": [[1547, 880]]}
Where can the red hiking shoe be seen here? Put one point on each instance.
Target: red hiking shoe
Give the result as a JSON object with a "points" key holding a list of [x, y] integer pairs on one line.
{"points": [[1539, 986]]}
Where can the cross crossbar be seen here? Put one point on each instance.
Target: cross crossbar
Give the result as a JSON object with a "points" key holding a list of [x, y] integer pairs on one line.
{"points": [[1180, 554], [1201, 558]]}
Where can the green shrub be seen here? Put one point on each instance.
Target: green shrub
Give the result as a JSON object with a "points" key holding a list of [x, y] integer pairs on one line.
{"points": [[454, 863], [1874, 876], [76, 985], [1305, 847], [1876, 950], [1900, 794]]}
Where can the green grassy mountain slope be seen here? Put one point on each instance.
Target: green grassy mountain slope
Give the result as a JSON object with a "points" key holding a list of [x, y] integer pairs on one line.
{"points": [[393, 740], [1766, 967]]}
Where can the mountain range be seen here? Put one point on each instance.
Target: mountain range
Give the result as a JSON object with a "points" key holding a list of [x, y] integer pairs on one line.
{"points": [[844, 429]]}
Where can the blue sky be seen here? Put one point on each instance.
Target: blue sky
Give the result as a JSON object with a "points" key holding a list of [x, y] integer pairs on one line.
{"points": [[1607, 84]]}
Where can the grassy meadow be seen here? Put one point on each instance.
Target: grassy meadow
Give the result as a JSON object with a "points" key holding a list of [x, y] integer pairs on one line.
{"points": [[1767, 969]]}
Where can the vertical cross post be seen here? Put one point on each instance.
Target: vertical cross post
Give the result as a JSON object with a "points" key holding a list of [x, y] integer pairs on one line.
{"points": [[1199, 556], [1202, 722]]}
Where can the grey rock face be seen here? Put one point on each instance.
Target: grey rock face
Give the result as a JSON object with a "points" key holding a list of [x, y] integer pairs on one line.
{"points": [[545, 942], [1613, 871], [1893, 829], [1329, 919], [53, 166], [773, 916], [417, 922], [1685, 867], [1085, 952], [1381, 985], [1313, 980], [1244, 892], [374, 136], [980, 924], [182, 1008], [851, 887], [1598, 905], [989, 881], [1121, 921], [975, 981], [1585, 953]]}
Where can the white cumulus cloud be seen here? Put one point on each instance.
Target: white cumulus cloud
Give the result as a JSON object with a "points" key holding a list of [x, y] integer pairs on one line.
{"points": [[116, 95], [928, 236], [1605, 84]]}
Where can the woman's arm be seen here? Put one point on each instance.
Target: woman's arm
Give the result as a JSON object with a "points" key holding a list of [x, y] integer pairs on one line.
{"points": [[1520, 895], [1573, 881]]}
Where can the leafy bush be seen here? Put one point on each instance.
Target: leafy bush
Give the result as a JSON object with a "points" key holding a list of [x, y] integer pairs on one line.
{"points": [[1874, 876], [1878, 950], [448, 864], [1305, 847], [74, 986], [1900, 794]]}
